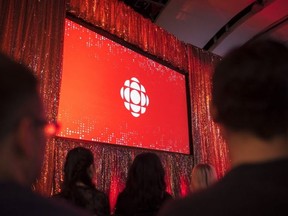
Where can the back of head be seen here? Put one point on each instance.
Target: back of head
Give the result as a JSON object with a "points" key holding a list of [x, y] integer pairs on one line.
{"points": [[78, 187], [77, 163], [203, 175], [250, 89], [22, 120], [146, 181], [18, 87]]}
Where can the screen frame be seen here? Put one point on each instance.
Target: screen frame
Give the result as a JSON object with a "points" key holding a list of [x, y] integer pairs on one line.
{"points": [[138, 50]]}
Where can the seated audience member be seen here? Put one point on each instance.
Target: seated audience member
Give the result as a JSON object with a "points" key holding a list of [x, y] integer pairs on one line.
{"points": [[22, 144], [144, 192], [250, 103], [78, 187], [203, 175]]}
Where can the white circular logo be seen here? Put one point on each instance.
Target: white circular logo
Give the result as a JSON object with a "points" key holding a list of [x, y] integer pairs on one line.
{"points": [[135, 97]]}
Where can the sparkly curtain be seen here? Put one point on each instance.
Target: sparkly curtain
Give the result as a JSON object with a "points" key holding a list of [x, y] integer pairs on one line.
{"points": [[208, 145], [112, 162], [119, 19], [32, 32], [115, 17]]}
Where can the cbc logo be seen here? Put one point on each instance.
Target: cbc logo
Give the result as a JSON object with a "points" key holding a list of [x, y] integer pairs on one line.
{"points": [[135, 97]]}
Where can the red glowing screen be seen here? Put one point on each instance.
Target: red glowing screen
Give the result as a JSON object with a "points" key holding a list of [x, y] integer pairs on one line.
{"points": [[112, 94]]}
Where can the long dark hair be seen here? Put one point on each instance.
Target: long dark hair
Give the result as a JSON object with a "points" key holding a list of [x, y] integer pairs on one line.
{"points": [[145, 182], [78, 186], [76, 167]]}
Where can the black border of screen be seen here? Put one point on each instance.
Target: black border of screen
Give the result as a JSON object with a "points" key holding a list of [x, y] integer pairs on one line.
{"points": [[136, 49]]}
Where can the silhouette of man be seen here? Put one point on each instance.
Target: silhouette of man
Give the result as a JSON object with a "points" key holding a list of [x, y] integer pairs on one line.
{"points": [[22, 143], [250, 103]]}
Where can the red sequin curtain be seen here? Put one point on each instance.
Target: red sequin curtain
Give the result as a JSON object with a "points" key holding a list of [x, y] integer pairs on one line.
{"points": [[208, 145], [32, 32], [112, 163], [119, 19], [115, 17]]}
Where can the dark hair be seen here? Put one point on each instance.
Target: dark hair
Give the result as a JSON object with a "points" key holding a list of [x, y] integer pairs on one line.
{"points": [[76, 166], [18, 86], [78, 187], [250, 89], [145, 182]]}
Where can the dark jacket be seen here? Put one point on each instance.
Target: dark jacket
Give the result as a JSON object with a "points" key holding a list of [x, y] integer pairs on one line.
{"points": [[127, 206], [18, 200], [247, 190], [89, 198]]}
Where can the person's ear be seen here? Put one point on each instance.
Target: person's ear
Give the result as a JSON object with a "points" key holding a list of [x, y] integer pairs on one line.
{"points": [[215, 116], [24, 138]]}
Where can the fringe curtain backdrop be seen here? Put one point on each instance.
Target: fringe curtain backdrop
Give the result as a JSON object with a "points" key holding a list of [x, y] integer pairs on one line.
{"points": [[112, 163], [115, 17], [32, 32], [208, 145]]}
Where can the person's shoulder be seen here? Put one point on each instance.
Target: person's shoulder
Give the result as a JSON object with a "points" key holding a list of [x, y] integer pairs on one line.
{"points": [[54, 206], [124, 198], [199, 203], [59, 207], [123, 194], [176, 207], [167, 195], [58, 195], [100, 194], [30, 203]]}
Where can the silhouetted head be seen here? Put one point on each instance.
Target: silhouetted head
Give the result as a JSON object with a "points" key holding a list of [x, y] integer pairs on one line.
{"points": [[77, 167], [203, 175], [250, 89], [146, 181], [22, 122]]}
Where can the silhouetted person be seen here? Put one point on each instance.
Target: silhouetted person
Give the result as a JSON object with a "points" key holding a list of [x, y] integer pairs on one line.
{"points": [[22, 144], [145, 189], [203, 175], [78, 187], [250, 103]]}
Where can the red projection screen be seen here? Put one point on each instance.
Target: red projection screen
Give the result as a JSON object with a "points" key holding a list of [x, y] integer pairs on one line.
{"points": [[112, 94]]}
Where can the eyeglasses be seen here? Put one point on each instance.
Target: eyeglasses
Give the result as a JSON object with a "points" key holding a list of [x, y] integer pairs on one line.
{"points": [[50, 128]]}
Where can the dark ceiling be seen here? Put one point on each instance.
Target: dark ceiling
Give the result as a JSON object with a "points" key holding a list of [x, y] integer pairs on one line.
{"points": [[217, 25], [148, 8]]}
